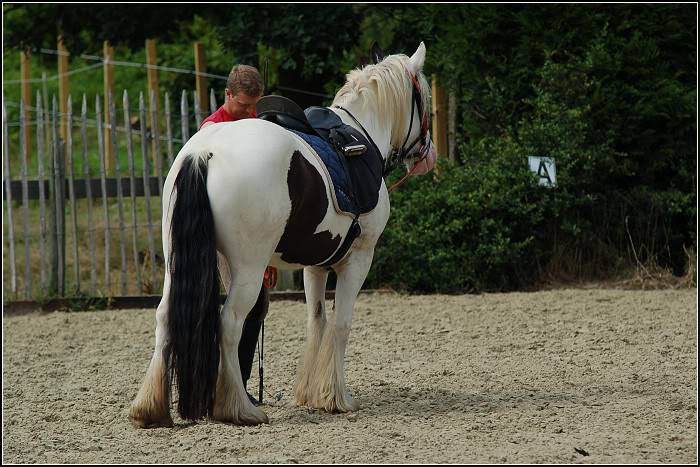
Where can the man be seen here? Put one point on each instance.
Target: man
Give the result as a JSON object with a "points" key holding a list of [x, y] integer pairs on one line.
{"points": [[244, 88]]}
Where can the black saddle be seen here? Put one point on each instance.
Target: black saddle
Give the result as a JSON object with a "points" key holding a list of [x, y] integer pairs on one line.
{"points": [[285, 113], [359, 158], [315, 121]]}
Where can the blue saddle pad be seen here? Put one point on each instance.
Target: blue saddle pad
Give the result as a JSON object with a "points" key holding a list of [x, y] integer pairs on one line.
{"points": [[339, 177]]}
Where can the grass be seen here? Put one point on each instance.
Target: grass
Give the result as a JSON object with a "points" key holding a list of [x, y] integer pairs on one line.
{"points": [[136, 264], [31, 282], [89, 83]]}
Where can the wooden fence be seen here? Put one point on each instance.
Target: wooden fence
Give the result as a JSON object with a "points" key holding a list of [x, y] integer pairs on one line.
{"points": [[82, 192], [76, 224]]}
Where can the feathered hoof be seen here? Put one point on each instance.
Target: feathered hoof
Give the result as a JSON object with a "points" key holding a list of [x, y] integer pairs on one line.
{"points": [[341, 404], [301, 396], [141, 420], [253, 416]]}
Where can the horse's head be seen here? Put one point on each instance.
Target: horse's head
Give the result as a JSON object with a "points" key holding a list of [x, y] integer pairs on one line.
{"points": [[392, 97], [419, 156]]}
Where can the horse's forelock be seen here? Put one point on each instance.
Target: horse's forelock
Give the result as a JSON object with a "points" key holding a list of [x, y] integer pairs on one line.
{"points": [[385, 87]]}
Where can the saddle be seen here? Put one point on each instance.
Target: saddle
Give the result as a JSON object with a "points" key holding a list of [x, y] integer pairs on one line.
{"points": [[353, 163]]}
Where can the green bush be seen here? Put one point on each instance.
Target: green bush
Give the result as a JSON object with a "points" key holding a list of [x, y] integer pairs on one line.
{"points": [[472, 227], [607, 91]]}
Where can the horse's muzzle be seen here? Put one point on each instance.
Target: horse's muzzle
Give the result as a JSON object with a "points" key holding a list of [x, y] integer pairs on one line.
{"points": [[427, 163]]}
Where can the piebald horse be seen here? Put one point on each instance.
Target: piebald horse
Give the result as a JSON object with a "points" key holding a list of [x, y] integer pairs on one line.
{"points": [[254, 193]]}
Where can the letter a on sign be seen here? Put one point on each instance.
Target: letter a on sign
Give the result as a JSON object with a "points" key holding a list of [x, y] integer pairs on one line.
{"points": [[545, 170]]}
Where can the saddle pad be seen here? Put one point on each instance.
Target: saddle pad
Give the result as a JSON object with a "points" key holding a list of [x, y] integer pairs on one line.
{"points": [[365, 171], [345, 204]]}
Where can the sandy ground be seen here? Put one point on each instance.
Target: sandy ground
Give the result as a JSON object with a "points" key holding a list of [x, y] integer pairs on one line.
{"points": [[496, 378]]}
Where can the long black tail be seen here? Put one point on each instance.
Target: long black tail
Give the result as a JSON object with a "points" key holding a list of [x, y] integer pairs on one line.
{"points": [[192, 351]]}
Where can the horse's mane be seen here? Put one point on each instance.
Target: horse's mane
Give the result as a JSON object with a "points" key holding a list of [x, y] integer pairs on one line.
{"points": [[385, 91]]}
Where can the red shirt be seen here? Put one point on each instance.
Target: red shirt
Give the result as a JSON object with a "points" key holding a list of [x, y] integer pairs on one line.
{"points": [[222, 116]]}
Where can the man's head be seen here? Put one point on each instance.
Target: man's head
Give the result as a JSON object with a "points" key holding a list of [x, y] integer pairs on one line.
{"points": [[243, 90]]}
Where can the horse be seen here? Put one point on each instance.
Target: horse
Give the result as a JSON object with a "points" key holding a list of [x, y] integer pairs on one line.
{"points": [[256, 194]]}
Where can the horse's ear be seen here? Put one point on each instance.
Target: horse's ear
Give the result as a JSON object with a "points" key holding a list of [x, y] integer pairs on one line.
{"points": [[418, 59], [376, 53]]}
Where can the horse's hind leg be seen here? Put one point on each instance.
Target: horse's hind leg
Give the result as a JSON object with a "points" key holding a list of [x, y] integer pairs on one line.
{"points": [[315, 290], [231, 402], [331, 394], [151, 407]]}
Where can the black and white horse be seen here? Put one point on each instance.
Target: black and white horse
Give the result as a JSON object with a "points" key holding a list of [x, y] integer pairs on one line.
{"points": [[258, 195]]}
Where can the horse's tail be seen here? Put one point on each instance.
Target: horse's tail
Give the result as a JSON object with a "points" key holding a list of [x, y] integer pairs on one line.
{"points": [[192, 351]]}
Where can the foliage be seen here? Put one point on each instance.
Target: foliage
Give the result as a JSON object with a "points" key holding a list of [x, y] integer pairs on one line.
{"points": [[469, 228], [607, 90]]}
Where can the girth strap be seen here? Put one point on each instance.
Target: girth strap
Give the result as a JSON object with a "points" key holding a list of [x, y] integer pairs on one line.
{"points": [[353, 232]]}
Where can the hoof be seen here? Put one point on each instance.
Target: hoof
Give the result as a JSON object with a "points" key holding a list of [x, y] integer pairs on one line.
{"points": [[345, 406], [334, 405], [341, 403], [142, 422], [254, 417]]}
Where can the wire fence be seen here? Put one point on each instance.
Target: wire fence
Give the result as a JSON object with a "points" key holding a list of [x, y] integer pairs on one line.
{"points": [[102, 61], [83, 209], [82, 183]]}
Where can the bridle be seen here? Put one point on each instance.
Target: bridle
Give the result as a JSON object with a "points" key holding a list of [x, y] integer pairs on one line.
{"points": [[398, 155]]}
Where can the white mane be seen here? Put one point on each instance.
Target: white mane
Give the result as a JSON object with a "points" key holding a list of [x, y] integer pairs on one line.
{"points": [[384, 92]]}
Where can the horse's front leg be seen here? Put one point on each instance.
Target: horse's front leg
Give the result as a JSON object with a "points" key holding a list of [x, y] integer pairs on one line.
{"points": [[315, 291], [331, 394]]}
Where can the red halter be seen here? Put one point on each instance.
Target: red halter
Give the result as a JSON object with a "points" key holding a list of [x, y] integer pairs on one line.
{"points": [[423, 137]]}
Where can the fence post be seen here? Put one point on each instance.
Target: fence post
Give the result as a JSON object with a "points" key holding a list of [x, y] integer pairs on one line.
{"points": [[120, 194], [200, 66], [40, 151], [88, 190], [168, 130], [439, 132], [155, 137], [58, 245], [197, 110], [153, 98], [25, 71], [71, 194], [23, 150], [184, 119], [47, 109], [212, 101], [61, 215], [63, 83], [52, 285], [103, 184], [8, 195], [152, 71], [452, 125], [132, 185], [108, 74], [147, 193]]}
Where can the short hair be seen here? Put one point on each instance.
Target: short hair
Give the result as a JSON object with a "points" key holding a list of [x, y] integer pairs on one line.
{"points": [[245, 78]]}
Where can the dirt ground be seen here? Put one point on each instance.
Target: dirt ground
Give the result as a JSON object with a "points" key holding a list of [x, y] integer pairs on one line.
{"points": [[493, 378]]}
